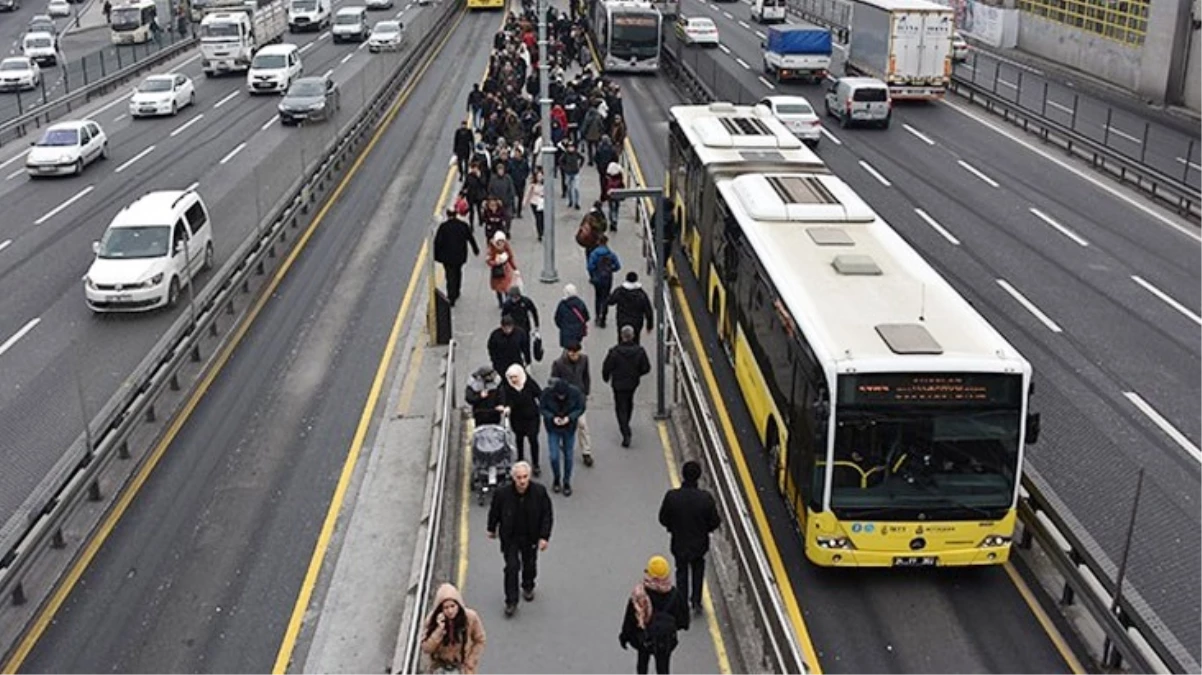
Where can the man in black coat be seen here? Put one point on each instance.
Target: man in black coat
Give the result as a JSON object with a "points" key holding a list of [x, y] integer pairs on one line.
{"points": [[690, 515], [633, 307], [624, 365], [508, 345], [450, 248], [521, 515], [522, 309], [465, 140]]}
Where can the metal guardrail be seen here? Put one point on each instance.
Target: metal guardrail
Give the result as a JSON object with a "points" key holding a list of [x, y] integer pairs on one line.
{"points": [[1133, 632], [40, 523]]}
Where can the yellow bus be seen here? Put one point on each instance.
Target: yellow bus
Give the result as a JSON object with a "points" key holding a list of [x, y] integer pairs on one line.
{"points": [[892, 416], [486, 4]]}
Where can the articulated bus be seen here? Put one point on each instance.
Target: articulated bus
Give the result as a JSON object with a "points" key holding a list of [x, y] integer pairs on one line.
{"points": [[486, 4], [626, 34], [129, 22]]}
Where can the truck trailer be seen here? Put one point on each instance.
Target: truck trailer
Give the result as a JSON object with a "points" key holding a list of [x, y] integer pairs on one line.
{"points": [[905, 43], [232, 31]]}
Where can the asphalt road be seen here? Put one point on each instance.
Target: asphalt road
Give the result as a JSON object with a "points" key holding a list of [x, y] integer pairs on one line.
{"points": [[1119, 288], [202, 572], [230, 144]]}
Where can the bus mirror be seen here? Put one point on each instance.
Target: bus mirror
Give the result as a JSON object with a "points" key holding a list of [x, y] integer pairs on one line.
{"points": [[1032, 428]]}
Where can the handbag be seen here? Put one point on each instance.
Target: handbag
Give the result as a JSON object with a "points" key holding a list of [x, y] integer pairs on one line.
{"points": [[537, 347], [498, 271]]}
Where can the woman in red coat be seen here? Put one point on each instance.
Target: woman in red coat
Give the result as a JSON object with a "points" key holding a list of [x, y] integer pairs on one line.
{"points": [[502, 266]]}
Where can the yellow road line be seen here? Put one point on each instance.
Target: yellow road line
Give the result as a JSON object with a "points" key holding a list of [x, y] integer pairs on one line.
{"points": [[706, 599], [465, 505], [412, 375], [1044, 620]]}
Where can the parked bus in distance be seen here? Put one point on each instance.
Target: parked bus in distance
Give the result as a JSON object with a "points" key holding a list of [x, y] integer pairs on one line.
{"points": [[486, 4], [626, 34], [892, 415], [129, 22]]}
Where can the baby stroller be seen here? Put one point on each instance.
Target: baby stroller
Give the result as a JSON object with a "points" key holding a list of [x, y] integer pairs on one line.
{"points": [[492, 455]]}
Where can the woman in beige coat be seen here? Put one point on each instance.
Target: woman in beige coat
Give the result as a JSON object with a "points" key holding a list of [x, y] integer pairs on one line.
{"points": [[454, 636]]}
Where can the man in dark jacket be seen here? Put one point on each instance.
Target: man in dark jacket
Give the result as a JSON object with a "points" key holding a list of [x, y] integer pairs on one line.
{"points": [[501, 187], [624, 365], [451, 240], [522, 309], [632, 306], [571, 316], [521, 516], [508, 345], [464, 140], [573, 367], [690, 515], [671, 229], [561, 405]]}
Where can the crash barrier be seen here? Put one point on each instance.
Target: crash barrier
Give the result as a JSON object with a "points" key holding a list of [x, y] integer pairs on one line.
{"points": [[94, 75], [125, 428], [1132, 630]]}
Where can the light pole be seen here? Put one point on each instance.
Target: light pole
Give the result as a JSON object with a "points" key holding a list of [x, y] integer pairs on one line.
{"points": [[549, 274], [661, 346]]}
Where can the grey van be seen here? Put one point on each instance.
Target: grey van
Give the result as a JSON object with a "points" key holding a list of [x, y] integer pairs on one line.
{"points": [[859, 100]]}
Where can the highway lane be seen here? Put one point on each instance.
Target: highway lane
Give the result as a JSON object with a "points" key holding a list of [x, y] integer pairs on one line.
{"points": [[202, 572], [870, 620], [40, 268], [1118, 337]]}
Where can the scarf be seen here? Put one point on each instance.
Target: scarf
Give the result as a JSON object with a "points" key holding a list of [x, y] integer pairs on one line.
{"points": [[641, 601]]}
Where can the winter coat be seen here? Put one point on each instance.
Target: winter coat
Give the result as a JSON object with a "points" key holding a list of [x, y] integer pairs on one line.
{"points": [[502, 187], [598, 276], [673, 602], [574, 373], [536, 195], [524, 412], [624, 366], [464, 140], [466, 653], [501, 284], [604, 155], [632, 305], [561, 399], [518, 170], [534, 511], [451, 241], [570, 162], [506, 350], [484, 397], [559, 115], [617, 132], [572, 328], [493, 220], [522, 310], [611, 182], [689, 514], [593, 126], [475, 187]]}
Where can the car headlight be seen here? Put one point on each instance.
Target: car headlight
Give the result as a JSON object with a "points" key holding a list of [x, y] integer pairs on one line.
{"points": [[87, 281], [994, 541], [156, 279], [834, 542], [66, 158], [318, 106]]}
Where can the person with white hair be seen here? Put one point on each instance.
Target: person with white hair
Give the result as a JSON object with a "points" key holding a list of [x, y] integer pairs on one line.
{"points": [[521, 515]]}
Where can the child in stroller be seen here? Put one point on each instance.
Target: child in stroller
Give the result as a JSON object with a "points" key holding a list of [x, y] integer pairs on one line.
{"points": [[493, 443]]}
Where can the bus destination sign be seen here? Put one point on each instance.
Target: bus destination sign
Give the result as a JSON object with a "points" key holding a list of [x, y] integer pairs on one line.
{"points": [[930, 388], [634, 20]]}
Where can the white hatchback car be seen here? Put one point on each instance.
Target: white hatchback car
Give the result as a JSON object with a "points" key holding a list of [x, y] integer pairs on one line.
{"points": [[697, 30], [151, 250], [798, 116], [66, 148], [58, 8], [162, 95], [19, 72]]}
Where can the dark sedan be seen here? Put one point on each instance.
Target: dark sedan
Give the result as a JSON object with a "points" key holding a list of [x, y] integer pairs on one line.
{"points": [[309, 98]]}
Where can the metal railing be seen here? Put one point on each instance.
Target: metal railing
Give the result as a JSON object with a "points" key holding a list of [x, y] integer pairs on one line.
{"points": [[1133, 631], [41, 522]]}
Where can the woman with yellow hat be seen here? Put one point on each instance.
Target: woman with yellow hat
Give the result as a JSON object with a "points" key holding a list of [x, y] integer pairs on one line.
{"points": [[654, 613]]}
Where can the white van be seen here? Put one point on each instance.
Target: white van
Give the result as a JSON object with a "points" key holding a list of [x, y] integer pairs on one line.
{"points": [[308, 15], [150, 252], [350, 23], [859, 100], [274, 68], [768, 11], [42, 47]]}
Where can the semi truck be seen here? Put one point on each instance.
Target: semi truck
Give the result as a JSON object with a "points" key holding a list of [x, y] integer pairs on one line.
{"points": [[233, 30], [798, 51], [905, 43]]}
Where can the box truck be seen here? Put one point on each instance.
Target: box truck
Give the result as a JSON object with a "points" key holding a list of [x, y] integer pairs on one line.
{"points": [[904, 43]]}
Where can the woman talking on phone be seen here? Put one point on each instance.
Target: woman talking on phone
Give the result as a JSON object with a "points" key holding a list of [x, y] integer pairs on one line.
{"points": [[454, 636]]}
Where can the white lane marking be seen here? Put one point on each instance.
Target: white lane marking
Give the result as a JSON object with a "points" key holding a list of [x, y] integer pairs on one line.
{"points": [[110, 104], [921, 136], [5, 244], [766, 83], [833, 138], [1164, 424], [120, 117], [1181, 160], [1168, 299], [760, 35], [723, 47], [977, 172], [133, 159], [1059, 106], [223, 101], [329, 73], [180, 129], [193, 186], [53, 212], [743, 63], [1060, 228], [1122, 134], [18, 335], [1112, 191], [937, 227], [728, 15], [233, 152], [875, 174], [19, 155], [323, 35], [347, 57], [14, 174], [305, 47], [361, 46], [269, 123], [1007, 84], [744, 24], [1022, 300]]}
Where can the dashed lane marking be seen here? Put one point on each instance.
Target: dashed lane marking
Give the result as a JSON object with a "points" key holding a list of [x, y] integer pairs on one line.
{"points": [[1022, 300], [875, 174]]}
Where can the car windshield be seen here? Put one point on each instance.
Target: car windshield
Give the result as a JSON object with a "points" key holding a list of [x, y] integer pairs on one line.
{"points": [[269, 61], [14, 64], [306, 88], [38, 42], [121, 243], [794, 108], [304, 5], [155, 84], [219, 30], [386, 28], [59, 138], [348, 19]]}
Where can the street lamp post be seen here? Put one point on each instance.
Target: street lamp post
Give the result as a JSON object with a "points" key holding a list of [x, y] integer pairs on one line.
{"points": [[549, 274], [661, 346]]}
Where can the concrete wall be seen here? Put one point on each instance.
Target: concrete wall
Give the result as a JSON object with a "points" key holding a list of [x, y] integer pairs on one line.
{"points": [[1191, 80], [1084, 51]]}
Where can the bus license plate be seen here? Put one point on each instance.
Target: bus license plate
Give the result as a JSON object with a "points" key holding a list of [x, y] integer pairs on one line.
{"points": [[915, 561]]}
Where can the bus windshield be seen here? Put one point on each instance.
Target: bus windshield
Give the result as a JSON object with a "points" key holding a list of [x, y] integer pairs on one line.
{"points": [[634, 35], [126, 18], [946, 462]]}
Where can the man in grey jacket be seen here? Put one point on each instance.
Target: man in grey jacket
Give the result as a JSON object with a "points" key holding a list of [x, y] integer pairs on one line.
{"points": [[572, 366], [500, 185]]}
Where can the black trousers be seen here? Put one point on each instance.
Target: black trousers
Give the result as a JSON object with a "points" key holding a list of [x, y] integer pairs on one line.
{"points": [[521, 436], [461, 161], [600, 300], [694, 567], [624, 407], [454, 281], [538, 221], [519, 557], [662, 659]]}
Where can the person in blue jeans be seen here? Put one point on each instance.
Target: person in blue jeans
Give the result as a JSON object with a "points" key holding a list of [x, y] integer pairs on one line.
{"points": [[561, 405]]}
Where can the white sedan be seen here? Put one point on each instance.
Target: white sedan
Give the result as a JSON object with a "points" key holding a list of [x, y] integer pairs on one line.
{"points": [[162, 95], [19, 72], [798, 116], [66, 148], [697, 30], [386, 36], [959, 47], [58, 8]]}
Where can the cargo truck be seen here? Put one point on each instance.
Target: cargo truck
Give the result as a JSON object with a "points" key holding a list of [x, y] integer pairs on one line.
{"points": [[905, 43], [232, 31], [797, 51]]}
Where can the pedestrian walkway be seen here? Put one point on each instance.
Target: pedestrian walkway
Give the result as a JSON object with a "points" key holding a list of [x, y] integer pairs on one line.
{"points": [[606, 531]]}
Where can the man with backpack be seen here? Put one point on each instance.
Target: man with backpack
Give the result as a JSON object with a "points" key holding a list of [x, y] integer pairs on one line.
{"points": [[654, 614], [602, 264], [592, 227]]}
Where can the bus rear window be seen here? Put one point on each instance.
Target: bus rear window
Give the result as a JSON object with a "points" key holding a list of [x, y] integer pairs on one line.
{"points": [[870, 95]]}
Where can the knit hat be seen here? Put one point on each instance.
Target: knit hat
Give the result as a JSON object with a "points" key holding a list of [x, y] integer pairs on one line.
{"points": [[499, 236], [658, 568]]}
